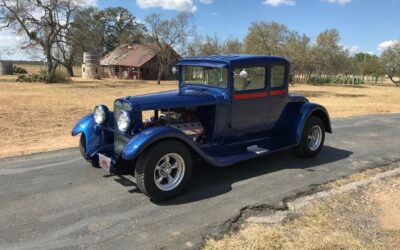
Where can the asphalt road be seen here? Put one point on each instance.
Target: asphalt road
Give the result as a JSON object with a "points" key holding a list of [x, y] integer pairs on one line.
{"points": [[57, 200]]}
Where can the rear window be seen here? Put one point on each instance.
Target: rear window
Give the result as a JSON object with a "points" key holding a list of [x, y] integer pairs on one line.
{"points": [[254, 81], [278, 76]]}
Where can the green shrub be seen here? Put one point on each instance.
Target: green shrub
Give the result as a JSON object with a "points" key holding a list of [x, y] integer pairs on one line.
{"points": [[19, 70], [59, 77], [339, 79], [41, 77]]}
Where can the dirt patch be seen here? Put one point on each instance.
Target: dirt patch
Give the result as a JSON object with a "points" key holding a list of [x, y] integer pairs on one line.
{"points": [[364, 218], [37, 117], [389, 205]]}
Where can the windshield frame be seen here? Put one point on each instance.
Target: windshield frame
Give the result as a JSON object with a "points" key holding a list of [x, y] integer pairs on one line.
{"points": [[184, 83]]}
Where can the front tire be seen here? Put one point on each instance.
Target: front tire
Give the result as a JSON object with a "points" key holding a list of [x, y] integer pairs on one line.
{"points": [[312, 138], [163, 171]]}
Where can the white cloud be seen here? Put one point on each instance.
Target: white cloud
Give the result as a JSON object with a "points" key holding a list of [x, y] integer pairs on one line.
{"points": [[9, 46], [206, 1], [276, 3], [91, 2], [86, 3], [179, 5], [387, 44], [341, 2], [214, 14], [354, 49]]}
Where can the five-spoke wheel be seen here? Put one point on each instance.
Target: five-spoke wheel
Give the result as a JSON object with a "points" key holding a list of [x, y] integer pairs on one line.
{"points": [[164, 170], [169, 171], [312, 138]]}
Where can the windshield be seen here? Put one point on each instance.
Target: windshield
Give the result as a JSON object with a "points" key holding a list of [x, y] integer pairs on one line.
{"points": [[215, 77]]}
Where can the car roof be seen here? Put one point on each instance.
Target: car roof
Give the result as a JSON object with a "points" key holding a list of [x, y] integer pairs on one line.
{"points": [[224, 60]]}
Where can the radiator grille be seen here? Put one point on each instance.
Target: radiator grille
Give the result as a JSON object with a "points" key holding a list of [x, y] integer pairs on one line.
{"points": [[120, 140]]}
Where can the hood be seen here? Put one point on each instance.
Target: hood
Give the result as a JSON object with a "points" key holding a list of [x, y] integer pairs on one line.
{"points": [[177, 99]]}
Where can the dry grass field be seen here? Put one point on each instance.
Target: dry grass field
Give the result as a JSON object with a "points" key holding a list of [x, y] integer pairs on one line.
{"points": [[37, 117], [364, 218]]}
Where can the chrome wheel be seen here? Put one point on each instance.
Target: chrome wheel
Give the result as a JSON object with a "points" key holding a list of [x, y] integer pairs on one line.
{"points": [[314, 138], [169, 172]]}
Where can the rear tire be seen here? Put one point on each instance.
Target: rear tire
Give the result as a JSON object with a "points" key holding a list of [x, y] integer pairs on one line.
{"points": [[163, 170], [82, 148], [312, 138]]}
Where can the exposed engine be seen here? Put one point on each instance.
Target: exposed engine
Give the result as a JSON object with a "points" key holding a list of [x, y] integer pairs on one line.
{"points": [[186, 121]]}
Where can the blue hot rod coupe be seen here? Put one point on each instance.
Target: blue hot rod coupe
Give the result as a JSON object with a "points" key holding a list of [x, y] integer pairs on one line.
{"points": [[228, 109]]}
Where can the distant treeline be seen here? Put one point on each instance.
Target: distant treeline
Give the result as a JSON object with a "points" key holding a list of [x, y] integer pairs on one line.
{"points": [[312, 60], [24, 62], [67, 29]]}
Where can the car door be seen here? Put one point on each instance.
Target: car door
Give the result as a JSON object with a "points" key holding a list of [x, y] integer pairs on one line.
{"points": [[277, 92], [248, 102]]}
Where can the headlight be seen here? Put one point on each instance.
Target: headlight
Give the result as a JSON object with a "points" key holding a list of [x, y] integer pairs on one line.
{"points": [[100, 114], [123, 120]]}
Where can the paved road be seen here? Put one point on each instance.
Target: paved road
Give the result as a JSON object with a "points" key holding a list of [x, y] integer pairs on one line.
{"points": [[56, 200]]}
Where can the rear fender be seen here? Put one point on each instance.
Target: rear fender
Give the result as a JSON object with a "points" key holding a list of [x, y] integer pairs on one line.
{"points": [[307, 110], [146, 138]]}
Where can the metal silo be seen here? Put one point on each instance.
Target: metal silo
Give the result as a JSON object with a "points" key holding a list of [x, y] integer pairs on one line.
{"points": [[91, 68], [6, 68]]}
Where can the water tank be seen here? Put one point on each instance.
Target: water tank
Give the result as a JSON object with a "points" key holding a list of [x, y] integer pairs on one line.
{"points": [[89, 58], [6, 68], [91, 68]]}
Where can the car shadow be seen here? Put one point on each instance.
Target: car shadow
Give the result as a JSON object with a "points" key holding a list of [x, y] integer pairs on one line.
{"points": [[208, 181]]}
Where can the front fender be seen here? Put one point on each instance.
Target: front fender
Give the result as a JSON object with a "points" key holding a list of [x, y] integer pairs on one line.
{"points": [[94, 134], [144, 139], [83, 125], [308, 109]]}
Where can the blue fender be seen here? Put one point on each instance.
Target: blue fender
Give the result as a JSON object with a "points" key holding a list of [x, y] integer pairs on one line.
{"points": [[308, 109], [144, 139], [95, 136], [92, 132]]}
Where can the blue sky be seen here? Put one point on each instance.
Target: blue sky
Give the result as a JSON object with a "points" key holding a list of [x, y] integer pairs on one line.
{"points": [[364, 25]]}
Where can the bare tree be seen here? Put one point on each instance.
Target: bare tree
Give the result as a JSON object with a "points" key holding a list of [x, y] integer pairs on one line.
{"points": [[366, 64], [232, 46], [194, 46], [166, 35], [41, 22], [326, 55], [296, 49], [390, 60], [211, 46], [67, 54], [266, 38]]}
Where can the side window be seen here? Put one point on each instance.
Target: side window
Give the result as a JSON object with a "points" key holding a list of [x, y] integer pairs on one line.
{"points": [[277, 76], [255, 79]]}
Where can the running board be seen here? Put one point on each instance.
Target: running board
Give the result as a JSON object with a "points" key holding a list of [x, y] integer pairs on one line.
{"points": [[256, 149], [229, 157]]}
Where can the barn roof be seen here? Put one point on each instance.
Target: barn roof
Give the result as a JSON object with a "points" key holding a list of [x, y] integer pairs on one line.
{"points": [[134, 55]]}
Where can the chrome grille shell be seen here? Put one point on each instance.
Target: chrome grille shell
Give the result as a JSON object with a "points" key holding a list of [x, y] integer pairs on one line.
{"points": [[120, 139]]}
